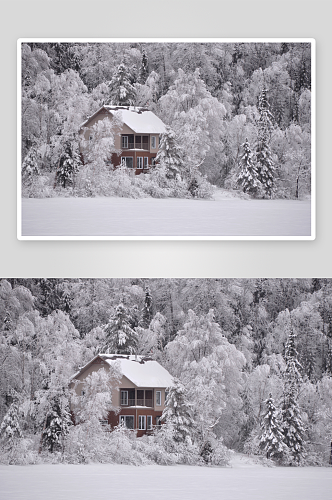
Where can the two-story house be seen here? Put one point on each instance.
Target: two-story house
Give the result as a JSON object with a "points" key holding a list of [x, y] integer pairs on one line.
{"points": [[141, 393], [138, 139]]}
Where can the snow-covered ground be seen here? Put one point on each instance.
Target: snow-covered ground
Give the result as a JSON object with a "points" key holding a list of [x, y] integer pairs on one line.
{"points": [[223, 216], [243, 481]]}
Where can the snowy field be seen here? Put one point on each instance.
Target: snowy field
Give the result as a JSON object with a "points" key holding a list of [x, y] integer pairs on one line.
{"points": [[241, 482], [98, 217]]}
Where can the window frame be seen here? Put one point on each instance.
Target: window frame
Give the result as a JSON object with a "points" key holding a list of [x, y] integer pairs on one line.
{"points": [[140, 162], [146, 162], [124, 142], [124, 162], [123, 419], [123, 391], [141, 422], [153, 141], [158, 392], [149, 425]]}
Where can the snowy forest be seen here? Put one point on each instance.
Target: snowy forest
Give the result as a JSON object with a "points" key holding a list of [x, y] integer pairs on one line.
{"points": [[238, 117], [251, 360]]}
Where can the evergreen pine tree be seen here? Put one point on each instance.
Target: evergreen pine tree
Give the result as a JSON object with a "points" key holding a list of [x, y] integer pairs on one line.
{"points": [[248, 177], [64, 58], [169, 154], [177, 413], [30, 166], [69, 164], [122, 92], [291, 413], [272, 438], [57, 425], [10, 428], [206, 452], [328, 361], [147, 309], [144, 71], [265, 165], [120, 337], [7, 323]]}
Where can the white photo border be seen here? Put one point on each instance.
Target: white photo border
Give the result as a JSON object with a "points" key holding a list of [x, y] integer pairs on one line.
{"points": [[311, 237]]}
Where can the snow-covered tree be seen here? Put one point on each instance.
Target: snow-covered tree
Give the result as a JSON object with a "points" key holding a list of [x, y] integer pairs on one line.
{"points": [[147, 310], [197, 119], [144, 70], [272, 437], [94, 177], [57, 423], [89, 440], [30, 165], [178, 413], [151, 340], [248, 176], [120, 337], [10, 428], [170, 154], [122, 92], [265, 163], [69, 164], [210, 369], [291, 412]]}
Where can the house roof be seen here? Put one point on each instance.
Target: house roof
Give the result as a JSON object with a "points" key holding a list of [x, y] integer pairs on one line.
{"points": [[139, 120], [140, 370]]}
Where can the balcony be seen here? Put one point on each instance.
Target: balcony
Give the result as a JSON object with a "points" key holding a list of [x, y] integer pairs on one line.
{"points": [[139, 402], [135, 142], [145, 402], [142, 145], [140, 397]]}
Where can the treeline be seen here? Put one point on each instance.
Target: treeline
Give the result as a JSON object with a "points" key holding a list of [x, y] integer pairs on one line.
{"points": [[239, 348], [207, 93]]}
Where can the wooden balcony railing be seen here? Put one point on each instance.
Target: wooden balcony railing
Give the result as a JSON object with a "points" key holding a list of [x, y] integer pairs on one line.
{"points": [[145, 402], [140, 402]]}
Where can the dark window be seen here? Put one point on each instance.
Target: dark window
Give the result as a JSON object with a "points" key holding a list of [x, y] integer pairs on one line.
{"points": [[140, 398], [128, 420], [128, 161], [131, 393]]}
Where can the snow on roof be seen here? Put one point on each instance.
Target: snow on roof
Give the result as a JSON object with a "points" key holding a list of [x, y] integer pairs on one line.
{"points": [[140, 370], [140, 120]]}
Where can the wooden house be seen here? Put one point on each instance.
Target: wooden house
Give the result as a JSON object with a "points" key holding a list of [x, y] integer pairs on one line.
{"points": [[141, 393], [138, 139]]}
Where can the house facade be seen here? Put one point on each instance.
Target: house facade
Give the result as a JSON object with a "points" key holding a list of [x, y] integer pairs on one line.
{"points": [[140, 395], [138, 139]]}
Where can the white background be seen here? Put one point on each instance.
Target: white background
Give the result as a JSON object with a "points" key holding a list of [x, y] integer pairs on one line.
{"points": [[171, 18]]}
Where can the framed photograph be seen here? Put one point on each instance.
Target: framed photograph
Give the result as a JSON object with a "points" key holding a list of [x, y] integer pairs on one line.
{"points": [[218, 387], [181, 139]]}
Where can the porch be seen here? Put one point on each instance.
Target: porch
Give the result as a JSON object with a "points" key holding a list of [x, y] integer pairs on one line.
{"points": [[136, 397], [135, 142]]}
